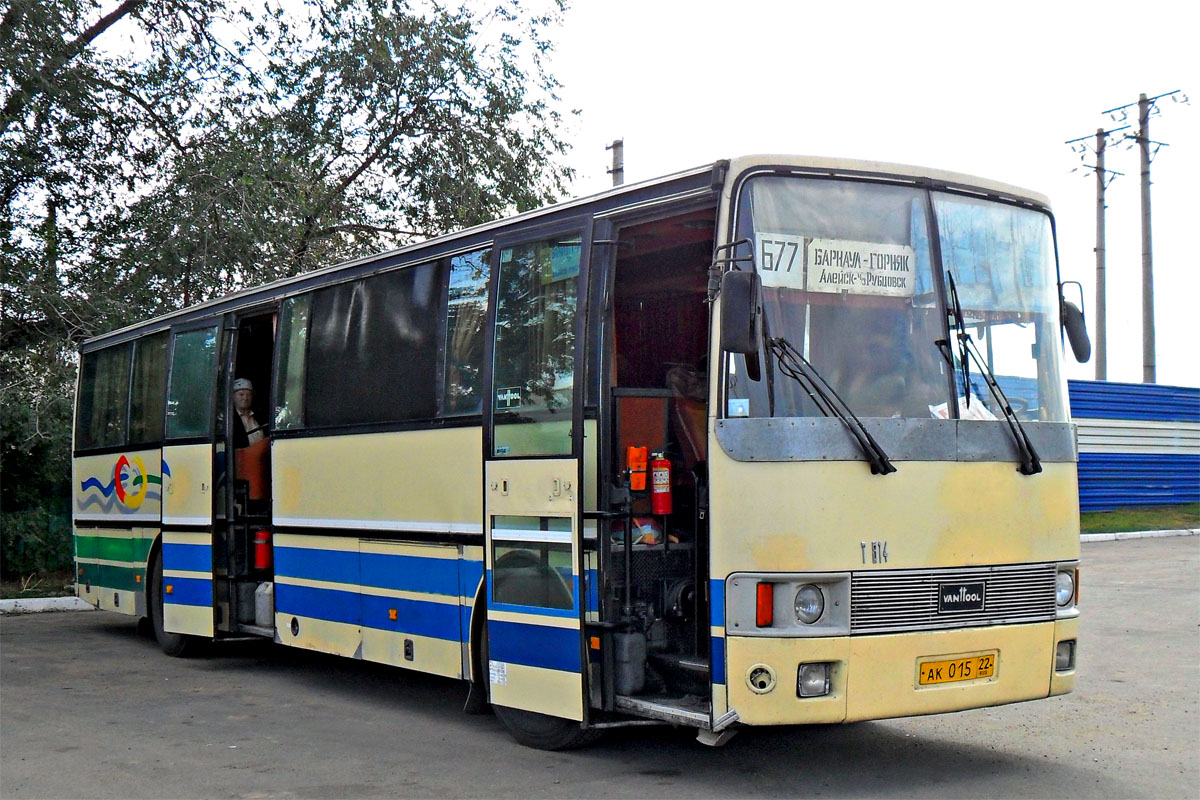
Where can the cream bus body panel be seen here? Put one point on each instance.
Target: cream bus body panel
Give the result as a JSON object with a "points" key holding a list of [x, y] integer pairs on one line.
{"points": [[426, 481], [815, 516], [787, 517], [110, 561]]}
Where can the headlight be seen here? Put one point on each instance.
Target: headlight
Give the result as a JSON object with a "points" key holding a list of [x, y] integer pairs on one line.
{"points": [[810, 604], [1064, 588]]}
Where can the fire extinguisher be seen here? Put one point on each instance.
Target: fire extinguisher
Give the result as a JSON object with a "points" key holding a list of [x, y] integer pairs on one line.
{"points": [[262, 549], [660, 488]]}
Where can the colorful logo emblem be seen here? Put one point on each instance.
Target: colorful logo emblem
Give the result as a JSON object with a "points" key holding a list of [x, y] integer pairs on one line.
{"points": [[128, 488]]}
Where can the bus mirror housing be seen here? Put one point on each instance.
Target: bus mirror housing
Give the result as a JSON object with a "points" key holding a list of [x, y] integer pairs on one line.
{"points": [[741, 317], [1072, 320], [1077, 333]]}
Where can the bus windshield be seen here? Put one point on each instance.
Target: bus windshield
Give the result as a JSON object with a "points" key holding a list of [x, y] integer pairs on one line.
{"points": [[849, 279]]}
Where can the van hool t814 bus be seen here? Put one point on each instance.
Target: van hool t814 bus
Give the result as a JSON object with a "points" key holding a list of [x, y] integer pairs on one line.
{"points": [[776, 440]]}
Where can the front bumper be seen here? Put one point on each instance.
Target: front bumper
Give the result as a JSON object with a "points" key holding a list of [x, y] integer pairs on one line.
{"points": [[875, 677]]}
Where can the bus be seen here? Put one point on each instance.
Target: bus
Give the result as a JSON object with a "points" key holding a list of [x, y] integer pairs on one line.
{"points": [[776, 440]]}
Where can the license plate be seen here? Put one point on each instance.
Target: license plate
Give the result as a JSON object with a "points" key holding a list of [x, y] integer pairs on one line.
{"points": [[956, 669]]}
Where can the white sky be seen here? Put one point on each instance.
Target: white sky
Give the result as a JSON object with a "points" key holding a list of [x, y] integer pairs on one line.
{"points": [[986, 89]]}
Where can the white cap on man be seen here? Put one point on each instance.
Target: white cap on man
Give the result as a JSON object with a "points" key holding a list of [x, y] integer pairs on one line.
{"points": [[242, 383]]}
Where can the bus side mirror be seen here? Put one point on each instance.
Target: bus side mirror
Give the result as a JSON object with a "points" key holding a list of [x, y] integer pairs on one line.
{"points": [[1077, 334], [741, 317]]}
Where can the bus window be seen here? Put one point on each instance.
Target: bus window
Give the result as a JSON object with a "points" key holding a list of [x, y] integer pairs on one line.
{"points": [[535, 347], [104, 391], [465, 315], [289, 377], [372, 349], [193, 379], [148, 398]]}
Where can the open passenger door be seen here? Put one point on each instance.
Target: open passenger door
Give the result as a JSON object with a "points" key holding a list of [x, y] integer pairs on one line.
{"points": [[533, 489]]}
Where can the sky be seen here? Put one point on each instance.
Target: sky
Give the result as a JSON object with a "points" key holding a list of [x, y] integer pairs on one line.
{"points": [[986, 89]]}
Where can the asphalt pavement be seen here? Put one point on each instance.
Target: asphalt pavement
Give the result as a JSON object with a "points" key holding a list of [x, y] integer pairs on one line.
{"points": [[91, 708]]}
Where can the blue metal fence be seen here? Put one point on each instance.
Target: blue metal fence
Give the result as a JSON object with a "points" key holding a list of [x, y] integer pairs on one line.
{"points": [[1139, 445]]}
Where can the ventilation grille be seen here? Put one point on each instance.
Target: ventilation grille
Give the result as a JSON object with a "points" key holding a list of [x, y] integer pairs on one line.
{"points": [[907, 600]]}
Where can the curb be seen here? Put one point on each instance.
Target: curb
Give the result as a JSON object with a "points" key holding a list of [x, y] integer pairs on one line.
{"points": [[1110, 537], [32, 605]]}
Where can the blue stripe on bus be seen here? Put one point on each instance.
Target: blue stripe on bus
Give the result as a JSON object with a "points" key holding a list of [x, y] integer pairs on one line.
{"points": [[534, 645], [381, 570], [188, 591], [333, 605], [189, 557], [418, 617], [470, 573], [716, 593], [718, 659], [335, 566], [593, 590]]}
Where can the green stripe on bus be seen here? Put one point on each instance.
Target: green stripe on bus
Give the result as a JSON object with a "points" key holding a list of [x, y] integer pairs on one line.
{"points": [[105, 576], [135, 551]]}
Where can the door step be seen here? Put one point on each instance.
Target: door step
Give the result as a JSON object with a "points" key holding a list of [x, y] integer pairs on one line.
{"points": [[690, 710]]}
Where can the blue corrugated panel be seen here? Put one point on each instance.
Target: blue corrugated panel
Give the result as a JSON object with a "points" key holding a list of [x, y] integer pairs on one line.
{"points": [[1112, 480], [1111, 400]]}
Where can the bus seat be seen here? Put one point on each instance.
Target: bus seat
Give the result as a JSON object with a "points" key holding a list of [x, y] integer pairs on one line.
{"points": [[688, 420]]}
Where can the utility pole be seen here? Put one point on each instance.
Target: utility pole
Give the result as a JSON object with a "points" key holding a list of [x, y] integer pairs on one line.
{"points": [[618, 161], [1146, 107], [1101, 300], [1143, 137], [1103, 179]]}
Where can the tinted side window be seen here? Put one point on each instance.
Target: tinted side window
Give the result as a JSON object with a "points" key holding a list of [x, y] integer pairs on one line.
{"points": [[193, 381], [372, 351], [466, 313], [148, 394], [289, 376], [103, 394]]}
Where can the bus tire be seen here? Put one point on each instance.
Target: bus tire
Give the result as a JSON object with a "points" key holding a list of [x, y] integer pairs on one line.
{"points": [[540, 731], [177, 645]]}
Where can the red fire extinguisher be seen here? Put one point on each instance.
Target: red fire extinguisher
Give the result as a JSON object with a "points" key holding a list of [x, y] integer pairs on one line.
{"points": [[262, 549], [660, 485]]}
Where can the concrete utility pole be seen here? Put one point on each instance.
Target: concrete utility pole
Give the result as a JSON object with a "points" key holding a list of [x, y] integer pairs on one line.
{"points": [[618, 161], [1103, 178], [1101, 300], [1143, 138]]}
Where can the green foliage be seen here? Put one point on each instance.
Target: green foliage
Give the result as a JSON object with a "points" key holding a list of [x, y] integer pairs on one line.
{"points": [[162, 152], [35, 541], [1141, 518]]}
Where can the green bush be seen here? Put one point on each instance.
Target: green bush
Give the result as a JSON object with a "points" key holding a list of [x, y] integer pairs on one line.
{"points": [[35, 541]]}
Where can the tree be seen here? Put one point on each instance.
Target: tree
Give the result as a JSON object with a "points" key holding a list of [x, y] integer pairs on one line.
{"points": [[161, 152]]}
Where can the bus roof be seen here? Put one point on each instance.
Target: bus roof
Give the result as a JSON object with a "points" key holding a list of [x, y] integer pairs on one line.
{"points": [[687, 183]]}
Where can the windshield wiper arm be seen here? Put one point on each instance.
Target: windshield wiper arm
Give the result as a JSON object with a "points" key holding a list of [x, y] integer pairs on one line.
{"points": [[1030, 463], [793, 364], [967, 351]]}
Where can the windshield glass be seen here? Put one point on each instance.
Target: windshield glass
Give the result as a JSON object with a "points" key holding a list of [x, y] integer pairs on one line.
{"points": [[1002, 260], [847, 280]]}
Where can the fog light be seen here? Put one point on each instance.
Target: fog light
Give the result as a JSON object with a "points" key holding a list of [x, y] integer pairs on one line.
{"points": [[812, 680], [1064, 655]]}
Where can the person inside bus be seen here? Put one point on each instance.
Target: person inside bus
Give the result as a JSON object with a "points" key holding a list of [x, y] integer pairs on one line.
{"points": [[249, 431]]}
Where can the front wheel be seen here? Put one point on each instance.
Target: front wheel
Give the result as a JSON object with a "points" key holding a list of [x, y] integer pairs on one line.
{"points": [[173, 644]]}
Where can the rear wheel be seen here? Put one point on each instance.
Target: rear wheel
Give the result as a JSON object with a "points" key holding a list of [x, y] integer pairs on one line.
{"points": [[173, 644]]}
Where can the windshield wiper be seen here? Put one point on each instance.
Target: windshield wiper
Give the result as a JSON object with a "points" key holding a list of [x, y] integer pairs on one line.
{"points": [[1030, 463], [793, 364]]}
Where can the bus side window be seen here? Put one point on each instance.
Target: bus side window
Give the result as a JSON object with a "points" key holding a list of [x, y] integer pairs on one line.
{"points": [[104, 393], [291, 369], [148, 399], [193, 381], [466, 313]]}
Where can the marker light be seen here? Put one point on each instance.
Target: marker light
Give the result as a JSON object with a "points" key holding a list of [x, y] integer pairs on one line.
{"points": [[810, 604], [764, 614]]}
